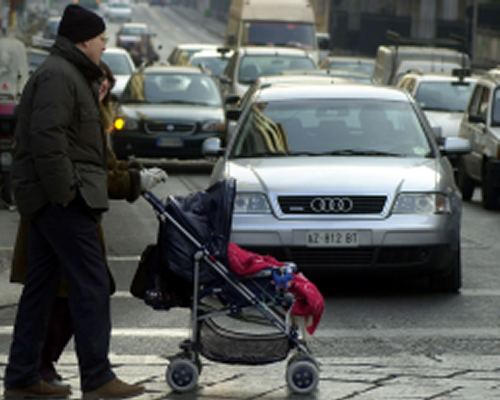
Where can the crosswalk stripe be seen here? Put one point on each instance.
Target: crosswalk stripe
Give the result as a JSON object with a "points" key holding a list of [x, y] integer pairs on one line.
{"points": [[383, 333]]}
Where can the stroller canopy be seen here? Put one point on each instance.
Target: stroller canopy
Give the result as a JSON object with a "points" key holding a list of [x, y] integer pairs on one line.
{"points": [[207, 217]]}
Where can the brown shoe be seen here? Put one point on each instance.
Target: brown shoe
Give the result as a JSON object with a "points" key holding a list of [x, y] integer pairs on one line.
{"points": [[41, 389], [114, 389]]}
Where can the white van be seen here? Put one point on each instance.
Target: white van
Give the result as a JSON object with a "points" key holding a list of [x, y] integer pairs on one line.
{"points": [[288, 23]]}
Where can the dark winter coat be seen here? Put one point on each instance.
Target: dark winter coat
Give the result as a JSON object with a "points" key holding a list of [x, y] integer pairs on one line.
{"points": [[60, 146], [123, 183]]}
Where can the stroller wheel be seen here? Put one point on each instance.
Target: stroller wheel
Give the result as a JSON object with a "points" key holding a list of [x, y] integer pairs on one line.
{"points": [[302, 375], [182, 374]]}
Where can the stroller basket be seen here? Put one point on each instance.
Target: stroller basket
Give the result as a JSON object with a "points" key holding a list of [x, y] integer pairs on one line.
{"points": [[222, 345]]}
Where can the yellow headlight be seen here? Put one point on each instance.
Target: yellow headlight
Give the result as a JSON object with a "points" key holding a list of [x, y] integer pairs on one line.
{"points": [[119, 124]]}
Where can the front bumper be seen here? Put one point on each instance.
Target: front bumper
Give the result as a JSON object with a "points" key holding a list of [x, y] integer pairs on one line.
{"points": [[402, 242], [127, 144]]}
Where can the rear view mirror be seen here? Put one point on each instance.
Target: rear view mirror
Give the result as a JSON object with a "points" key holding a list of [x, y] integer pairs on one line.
{"points": [[212, 147], [231, 40], [233, 114], [232, 99], [455, 145]]}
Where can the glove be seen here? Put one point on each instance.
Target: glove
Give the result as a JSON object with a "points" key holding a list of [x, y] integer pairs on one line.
{"points": [[150, 177]]}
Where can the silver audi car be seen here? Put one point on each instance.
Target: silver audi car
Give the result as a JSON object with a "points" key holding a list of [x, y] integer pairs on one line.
{"points": [[341, 176]]}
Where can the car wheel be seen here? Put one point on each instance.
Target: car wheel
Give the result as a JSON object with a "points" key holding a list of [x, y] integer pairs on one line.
{"points": [[464, 182], [449, 281], [490, 193]]}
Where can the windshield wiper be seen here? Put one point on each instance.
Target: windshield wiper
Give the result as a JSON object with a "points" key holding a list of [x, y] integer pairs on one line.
{"points": [[263, 154], [351, 152]]}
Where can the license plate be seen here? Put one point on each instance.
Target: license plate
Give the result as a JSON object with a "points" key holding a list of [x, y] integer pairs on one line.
{"points": [[332, 238], [168, 142]]}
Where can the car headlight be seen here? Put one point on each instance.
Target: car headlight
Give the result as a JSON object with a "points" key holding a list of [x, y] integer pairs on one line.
{"points": [[422, 203], [213, 126], [121, 123], [251, 203]]}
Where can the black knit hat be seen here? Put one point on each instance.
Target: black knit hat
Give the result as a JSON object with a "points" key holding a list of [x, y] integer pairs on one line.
{"points": [[79, 24]]}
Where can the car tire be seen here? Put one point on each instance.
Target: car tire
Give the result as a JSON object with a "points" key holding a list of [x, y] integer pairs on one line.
{"points": [[450, 280], [490, 194], [464, 182]]}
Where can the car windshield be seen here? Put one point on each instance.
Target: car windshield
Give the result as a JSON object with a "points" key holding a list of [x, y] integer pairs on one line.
{"points": [[216, 65], [118, 63], [119, 5], [443, 96], [253, 66], [344, 127], [172, 88], [133, 31], [279, 34]]}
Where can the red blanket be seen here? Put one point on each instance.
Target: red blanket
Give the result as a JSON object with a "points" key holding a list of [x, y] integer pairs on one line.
{"points": [[308, 299]]}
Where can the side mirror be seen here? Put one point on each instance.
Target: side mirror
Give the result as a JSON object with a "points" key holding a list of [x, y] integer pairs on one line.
{"points": [[476, 119], [212, 147], [232, 99], [438, 132], [455, 145], [233, 114], [323, 41]]}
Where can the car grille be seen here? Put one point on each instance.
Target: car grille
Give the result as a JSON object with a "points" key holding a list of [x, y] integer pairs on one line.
{"points": [[360, 204], [177, 127], [306, 257]]}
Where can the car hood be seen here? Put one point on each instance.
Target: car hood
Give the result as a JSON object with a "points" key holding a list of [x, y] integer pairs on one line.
{"points": [[448, 121], [346, 175], [173, 111], [121, 81]]}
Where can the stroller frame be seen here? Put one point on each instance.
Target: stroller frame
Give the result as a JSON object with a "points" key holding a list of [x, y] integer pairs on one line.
{"points": [[184, 368]]}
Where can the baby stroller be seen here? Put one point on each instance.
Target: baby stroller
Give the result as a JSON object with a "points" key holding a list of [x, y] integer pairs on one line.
{"points": [[188, 268]]}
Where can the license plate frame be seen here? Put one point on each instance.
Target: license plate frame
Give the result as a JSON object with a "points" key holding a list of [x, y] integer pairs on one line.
{"points": [[332, 238], [169, 142]]}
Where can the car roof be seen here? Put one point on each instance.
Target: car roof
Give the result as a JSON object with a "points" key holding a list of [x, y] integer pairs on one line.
{"points": [[359, 59], [263, 50], [184, 69], [344, 91], [436, 77], [116, 50], [212, 53], [134, 25], [299, 79], [408, 50], [191, 46]]}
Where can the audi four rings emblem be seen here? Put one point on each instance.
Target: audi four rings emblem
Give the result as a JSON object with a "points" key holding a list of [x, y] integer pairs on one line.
{"points": [[332, 204]]}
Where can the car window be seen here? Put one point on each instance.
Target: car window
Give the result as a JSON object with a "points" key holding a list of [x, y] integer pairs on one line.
{"points": [[484, 103], [320, 127], [118, 63], [133, 31], [475, 100], [443, 96], [165, 88], [495, 118], [279, 34], [253, 66]]}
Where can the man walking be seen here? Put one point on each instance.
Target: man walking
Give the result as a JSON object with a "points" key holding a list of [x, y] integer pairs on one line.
{"points": [[60, 184]]}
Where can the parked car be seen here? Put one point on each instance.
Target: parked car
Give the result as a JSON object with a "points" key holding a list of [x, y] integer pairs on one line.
{"points": [[131, 33], [344, 177], [481, 125], [122, 66], [181, 53], [119, 11], [48, 34], [249, 63], [168, 111]]}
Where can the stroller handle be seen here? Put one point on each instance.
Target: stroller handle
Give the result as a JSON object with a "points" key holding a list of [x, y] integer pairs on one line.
{"points": [[154, 201]]}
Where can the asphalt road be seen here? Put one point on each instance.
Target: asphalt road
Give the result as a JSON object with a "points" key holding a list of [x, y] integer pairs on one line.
{"points": [[365, 316]]}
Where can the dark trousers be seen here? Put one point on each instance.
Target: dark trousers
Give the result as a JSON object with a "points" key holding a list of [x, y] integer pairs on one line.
{"points": [[59, 333], [63, 241]]}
